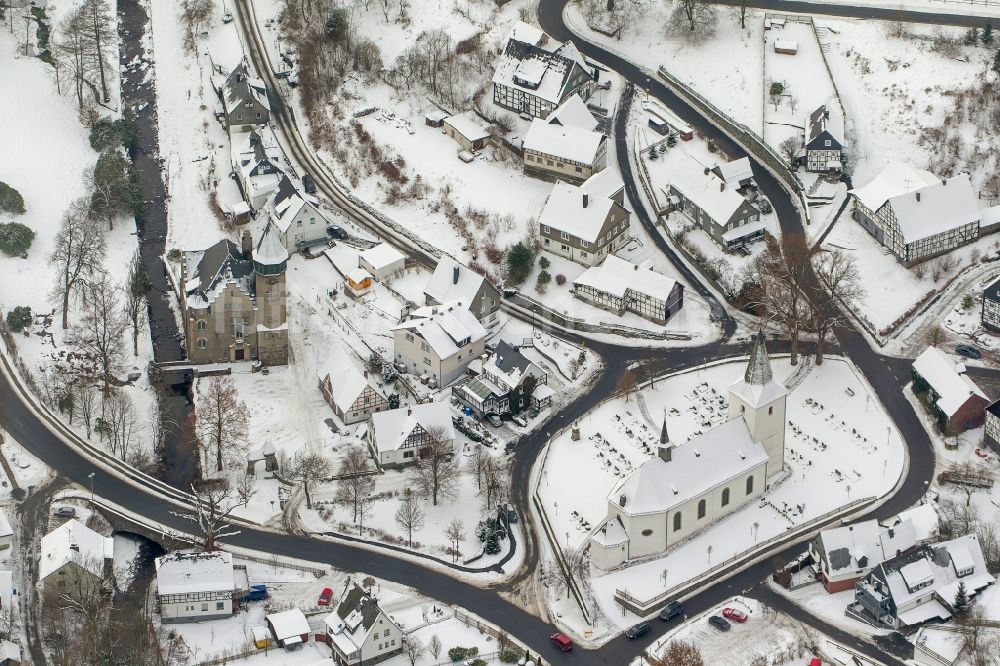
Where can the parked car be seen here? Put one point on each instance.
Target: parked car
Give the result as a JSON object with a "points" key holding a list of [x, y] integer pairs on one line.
{"points": [[671, 610], [562, 642], [519, 420], [308, 184], [66, 512], [324, 597], [336, 232], [511, 514], [815, 661], [227, 17], [494, 420], [256, 593], [734, 615], [640, 629], [719, 623], [968, 351]]}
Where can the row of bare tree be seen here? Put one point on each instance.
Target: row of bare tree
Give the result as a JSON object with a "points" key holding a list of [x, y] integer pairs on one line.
{"points": [[82, 53]]}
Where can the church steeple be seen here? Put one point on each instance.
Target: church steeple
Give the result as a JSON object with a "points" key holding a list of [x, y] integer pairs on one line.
{"points": [[759, 368], [664, 437], [665, 447]]}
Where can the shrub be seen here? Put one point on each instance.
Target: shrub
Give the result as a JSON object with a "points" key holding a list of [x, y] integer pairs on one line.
{"points": [[508, 656], [544, 277], [544, 263], [560, 279], [338, 25], [460, 653], [108, 133], [11, 200], [19, 318], [15, 239], [519, 260]]}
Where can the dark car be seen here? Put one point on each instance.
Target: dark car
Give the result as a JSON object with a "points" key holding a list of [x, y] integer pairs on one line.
{"points": [[256, 593], [324, 597], [968, 351], [719, 623], [562, 642], [511, 514], [308, 184], [66, 512], [671, 610], [336, 232], [640, 629]]}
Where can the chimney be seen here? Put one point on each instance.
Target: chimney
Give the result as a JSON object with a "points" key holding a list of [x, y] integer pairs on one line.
{"points": [[366, 374], [585, 198], [944, 182], [409, 410], [621, 500], [75, 546], [246, 244], [707, 171], [722, 186], [918, 196], [454, 275]]}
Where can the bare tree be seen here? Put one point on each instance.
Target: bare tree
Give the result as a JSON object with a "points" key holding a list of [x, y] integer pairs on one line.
{"points": [[782, 272], [308, 468], [437, 472], [838, 284], [741, 11], [409, 517], [119, 426], [96, 16], [73, 52], [627, 384], [678, 653], [214, 504], [455, 531], [934, 335], [477, 464], [693, 18], [434, 646], [496, 484], [355, 483], [86, 400], [195, 13], [789, 148], [78, 252], [413, 648], [222, 419], [134, 301], [102, 328]]}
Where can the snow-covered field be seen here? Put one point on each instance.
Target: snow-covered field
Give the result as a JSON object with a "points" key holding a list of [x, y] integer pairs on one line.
{"points": [[836, 452]]}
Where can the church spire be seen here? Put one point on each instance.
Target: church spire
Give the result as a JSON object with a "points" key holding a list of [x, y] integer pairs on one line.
{"points": [[665, 449], [759, 368], [664, 438]]}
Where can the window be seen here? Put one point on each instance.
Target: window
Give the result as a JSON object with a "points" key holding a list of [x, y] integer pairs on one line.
{"points": [[427, 361], [546, 229], [546, 241], [725, 496], [579, 170], [827, 143], [584, 243], [204, 607], [549, 162], [202, 324], [202, 343], [559, 164], [424, 346], [407, 454], [385, 634], [749, 485], [312, 220], [220, 605], [563, 235], [298, 224], [583, 254], [409, 337], [677, 521], [770, 410], [529, 157], [258, 115], [239, 117], [701, 509]]}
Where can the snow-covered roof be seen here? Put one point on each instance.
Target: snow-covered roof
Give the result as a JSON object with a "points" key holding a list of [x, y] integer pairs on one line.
{"points": [[241, 86], [270, 250], [286, 203], [74, 542], [10, 651], [208, 271], [358, 275], [947, 378], [525, 33], [391, 428], [758, 386], [703, 462], [848, 546], [786, 44], [615, 276], [573, 112], [924, 519], [708, 192], [610, 533], [944, 641], [605, 183], [190, 572], [936, 208], [896, 179], [381, 256], [288, 624], [827, 118], [469, 125], [735, 172], [506, 365], [353, 619], [568, 142], [564, 211], [446, 285], [549, 75], [446, 328], [346, 381]]}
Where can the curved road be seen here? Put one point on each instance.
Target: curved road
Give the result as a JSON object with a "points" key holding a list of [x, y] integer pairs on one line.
{"points": [[885, 375]]}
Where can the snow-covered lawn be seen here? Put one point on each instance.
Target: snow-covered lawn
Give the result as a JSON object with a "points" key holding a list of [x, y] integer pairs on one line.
{"points": [[708, 65], [766, 635], [836, 452], [806, 82], [892, 290]]}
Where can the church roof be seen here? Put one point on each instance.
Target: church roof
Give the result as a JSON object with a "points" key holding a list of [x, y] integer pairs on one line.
{"points": [[759, 367]]}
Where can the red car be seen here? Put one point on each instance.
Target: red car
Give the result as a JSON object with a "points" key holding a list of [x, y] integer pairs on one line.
{"points": [[324, 597], [734, 615], [562, 642]]}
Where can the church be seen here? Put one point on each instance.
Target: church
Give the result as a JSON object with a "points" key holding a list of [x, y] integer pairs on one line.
{"points": [[687, 487]]}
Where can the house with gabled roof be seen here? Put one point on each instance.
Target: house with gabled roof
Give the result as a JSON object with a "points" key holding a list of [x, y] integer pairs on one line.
{"points": [[719, 209], [580, 226], [915, 214], [382, 261], [921, 585], [825, 142], [296, 215], [399, 437], [257, 161], [844, 555], [536, 73], [553, 151], [439, 341], [508, 383], [453, 282], [620, 286], [244, 100], [233, 300], [573, 112], [736, 174], [73, 559], [349, 392], [990, 316], [193, 586], [954, 399], [360, 632]]}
